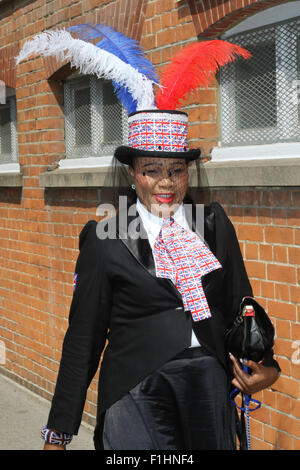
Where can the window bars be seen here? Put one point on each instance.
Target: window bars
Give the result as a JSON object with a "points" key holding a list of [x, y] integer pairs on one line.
{"points": [[8, 131], [260, 97], [95, 122]]}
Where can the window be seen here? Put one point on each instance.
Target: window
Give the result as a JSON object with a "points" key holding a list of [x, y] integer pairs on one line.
{"points": [[8, 128], [95, 121], [260, 96]]}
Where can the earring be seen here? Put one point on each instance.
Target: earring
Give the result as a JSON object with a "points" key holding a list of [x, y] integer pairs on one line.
{"points": [[133, 186]]}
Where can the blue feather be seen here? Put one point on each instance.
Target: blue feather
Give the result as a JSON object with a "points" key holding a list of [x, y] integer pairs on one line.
{"points": [[124, 48]]}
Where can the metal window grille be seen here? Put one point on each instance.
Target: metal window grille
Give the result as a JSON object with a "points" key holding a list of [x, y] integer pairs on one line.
{"points": [[260, 97], [8, 131], [95, 122]]}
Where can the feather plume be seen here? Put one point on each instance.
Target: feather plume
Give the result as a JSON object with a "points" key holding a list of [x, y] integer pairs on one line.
{"points": [[121, 46], [192, 67], [89, 59], [116, 43]]}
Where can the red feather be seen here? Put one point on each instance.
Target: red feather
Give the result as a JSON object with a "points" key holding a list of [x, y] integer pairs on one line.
{"points": [[192, 67]]}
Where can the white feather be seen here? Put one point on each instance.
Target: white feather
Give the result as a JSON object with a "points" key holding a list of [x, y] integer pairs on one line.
{"points": [[90, 59]]}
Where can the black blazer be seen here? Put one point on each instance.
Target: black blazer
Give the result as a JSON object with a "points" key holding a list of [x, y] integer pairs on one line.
{"points": [[119, 298]]}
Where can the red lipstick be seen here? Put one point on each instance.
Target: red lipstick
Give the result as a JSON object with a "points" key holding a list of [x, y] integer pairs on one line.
{"points": [[164, 198]]}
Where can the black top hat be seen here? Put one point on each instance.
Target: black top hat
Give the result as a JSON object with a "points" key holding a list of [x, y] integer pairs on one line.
{"points": [[159, 134]]}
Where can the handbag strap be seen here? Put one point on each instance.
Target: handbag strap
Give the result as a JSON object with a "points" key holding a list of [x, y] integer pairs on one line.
{"points": [[244, 434], [244, 439]]}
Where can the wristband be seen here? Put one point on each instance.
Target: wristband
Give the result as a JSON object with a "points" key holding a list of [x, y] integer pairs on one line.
{"points": [[53, 437]]}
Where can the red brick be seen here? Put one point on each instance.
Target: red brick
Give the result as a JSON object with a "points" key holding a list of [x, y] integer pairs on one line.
{"points": [[279, 217], [257, 429], [256, 269], [250, 232], [295, 294], [250, 215], [285, 423], [284, 441], [270, 434], [203, 113], [282, 310], [282, 292], [251, 251], [288, 386], [149, 42], [281, 273], [163, 5], [165, 20], [266, 252], [267, 289], [166, 37], [201, 96], [185, 32], [263, 414], [203, 131], [295, 408], [283, 329], [258, 444], [294, 255], [279, 235], [293, 217], [269, 398], [280, 254], [296, 444]]}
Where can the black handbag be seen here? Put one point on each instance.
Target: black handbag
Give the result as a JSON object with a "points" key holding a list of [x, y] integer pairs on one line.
{"points": [[250, 337], [252, 333]]}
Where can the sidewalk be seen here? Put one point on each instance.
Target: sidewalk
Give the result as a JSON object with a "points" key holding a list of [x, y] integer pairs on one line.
{"points": [[23, 414]]}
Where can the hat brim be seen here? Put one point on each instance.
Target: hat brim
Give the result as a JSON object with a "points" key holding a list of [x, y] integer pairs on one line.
{"points": [[125, 154]]}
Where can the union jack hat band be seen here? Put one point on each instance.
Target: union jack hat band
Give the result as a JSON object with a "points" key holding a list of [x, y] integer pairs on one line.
{"points": [[157, 133]]}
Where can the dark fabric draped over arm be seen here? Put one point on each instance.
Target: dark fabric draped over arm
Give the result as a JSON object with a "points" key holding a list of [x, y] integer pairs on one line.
{"points": [[86, 335]]}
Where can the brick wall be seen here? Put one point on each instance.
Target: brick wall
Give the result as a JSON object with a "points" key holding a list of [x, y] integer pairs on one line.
{"points": [[267, 225], [39, 228]]}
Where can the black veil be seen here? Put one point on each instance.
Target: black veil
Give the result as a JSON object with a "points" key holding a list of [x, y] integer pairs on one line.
{"points": [[117, 183]]}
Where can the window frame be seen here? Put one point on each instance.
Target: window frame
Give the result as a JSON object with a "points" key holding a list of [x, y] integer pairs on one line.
{"points": [[10, 160], [286, 113], [93, 154]]}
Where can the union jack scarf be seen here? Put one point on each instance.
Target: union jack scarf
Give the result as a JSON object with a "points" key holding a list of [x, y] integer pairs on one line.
{"points": [[181, 256]]}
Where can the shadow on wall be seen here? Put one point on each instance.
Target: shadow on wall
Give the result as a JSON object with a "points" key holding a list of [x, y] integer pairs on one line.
{"points": [[9, 195]]}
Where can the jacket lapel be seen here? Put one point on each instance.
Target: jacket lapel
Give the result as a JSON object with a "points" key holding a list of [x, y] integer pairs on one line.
{"points": [[132, 233]]}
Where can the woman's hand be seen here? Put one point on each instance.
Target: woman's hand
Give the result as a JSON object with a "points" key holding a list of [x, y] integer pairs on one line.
{"points": [[48, 446], [260, 378]]}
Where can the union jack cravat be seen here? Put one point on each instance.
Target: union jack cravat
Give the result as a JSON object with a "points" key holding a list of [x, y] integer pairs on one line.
{"points": [[181, 256]]}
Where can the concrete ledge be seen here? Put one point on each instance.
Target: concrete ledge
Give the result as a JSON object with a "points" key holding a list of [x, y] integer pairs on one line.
{"points": [[271, 172], [77, 177], [11, 179]]}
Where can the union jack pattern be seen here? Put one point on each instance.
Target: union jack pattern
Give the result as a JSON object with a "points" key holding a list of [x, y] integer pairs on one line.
{"points": [[158, 134], [59, 438], [181, 256], [75, 282]]}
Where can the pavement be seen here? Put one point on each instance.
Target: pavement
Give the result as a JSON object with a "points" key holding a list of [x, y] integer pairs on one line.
{"points": [[23, 414]]}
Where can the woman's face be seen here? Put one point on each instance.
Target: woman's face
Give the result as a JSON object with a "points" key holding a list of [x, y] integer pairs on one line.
{"points": [[161, 183]]}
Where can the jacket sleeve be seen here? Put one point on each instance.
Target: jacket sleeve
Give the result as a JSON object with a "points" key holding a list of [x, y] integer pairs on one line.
{"points": [[86, 334], [236, 281]]}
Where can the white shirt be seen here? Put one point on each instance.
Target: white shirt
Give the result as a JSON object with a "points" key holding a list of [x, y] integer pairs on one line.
{"points": [[152, 225]]}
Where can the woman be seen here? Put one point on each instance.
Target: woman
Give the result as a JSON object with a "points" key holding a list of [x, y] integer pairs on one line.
{"points": [[165, 377]]}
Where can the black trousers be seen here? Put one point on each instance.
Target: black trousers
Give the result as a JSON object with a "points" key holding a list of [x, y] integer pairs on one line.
{"points": [[183, 405]]}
